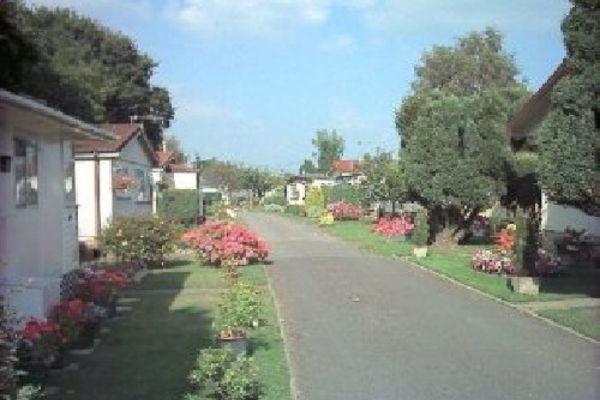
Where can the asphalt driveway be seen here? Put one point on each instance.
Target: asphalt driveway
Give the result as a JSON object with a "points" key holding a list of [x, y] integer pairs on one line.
{"points": [[359, 326]]}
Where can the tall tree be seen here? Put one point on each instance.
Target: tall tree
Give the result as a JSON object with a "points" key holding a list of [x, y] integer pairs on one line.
{"points": [[86, 70], [569, 141], [456, 153], [308, 167], [385, 180], [329, 146]]}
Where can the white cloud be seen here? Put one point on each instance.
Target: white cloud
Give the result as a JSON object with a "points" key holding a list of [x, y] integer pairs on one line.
{"points": [[462, 15], [248, 17], [340, 43]]}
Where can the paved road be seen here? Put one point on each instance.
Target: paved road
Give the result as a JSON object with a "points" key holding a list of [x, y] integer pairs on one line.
{"points": [[362, 327]]}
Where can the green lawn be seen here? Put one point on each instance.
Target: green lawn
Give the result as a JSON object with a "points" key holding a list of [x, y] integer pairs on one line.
{"points": [[149, 353], [585, 320], [455, 263]]}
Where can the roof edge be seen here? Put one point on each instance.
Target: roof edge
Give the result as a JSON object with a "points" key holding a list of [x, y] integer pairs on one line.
{"points": [[88, 130]]}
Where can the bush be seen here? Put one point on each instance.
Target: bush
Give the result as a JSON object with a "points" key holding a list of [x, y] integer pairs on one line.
{"points": [[315, 202], [239, 309], [326, 219], [224, 377], [346, 193], [390, 227], [226, 244], [140, 238], [180, 205], [8, 351], [343, 211], [421, 232], [295, 210]]}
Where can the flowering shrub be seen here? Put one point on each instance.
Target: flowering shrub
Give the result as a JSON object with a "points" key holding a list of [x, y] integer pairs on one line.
{"points": [[8, 349], [546, 263], [398, 226], [40, 344], [326, 219], [505, 240], [143, 238], [226, 244], [493, 262], [99, 286], [343, 211]]}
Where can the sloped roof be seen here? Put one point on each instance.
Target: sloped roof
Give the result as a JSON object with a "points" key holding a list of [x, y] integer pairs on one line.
{"points": [[164, 157], [123, 133], [535, 108], [344, 166]]}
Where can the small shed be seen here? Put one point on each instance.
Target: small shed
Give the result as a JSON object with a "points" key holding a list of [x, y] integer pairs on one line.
{"points": [[113, 178]]}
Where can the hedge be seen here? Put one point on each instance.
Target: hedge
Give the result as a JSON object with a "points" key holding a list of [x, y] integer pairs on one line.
{"points": [[180, 205]]}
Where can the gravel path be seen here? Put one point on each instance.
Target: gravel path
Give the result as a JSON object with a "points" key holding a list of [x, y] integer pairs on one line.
{"points": [[359, 326]]}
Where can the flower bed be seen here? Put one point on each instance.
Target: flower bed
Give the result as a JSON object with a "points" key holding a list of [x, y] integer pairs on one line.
{"points": [[391, 227], [343, 211], [493, 262], [226, 244]]}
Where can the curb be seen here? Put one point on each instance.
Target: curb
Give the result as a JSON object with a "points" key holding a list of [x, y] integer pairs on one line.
{"points": [[293, 388], [514, 306]]}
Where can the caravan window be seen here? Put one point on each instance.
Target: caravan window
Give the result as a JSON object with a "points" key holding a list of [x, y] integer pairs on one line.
{"points": [[26, 173]]}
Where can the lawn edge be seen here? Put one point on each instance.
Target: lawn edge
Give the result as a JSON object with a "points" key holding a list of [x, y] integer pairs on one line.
{"points": [[515, 306], [293, 388]]}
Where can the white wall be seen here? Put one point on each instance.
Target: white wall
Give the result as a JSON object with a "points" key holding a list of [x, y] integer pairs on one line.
{"points": [[185, 180], [34, 250], [557, 217], [295, 193], [86, 192]]}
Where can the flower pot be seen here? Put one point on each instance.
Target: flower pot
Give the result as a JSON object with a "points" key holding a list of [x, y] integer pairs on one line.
{"points": [[237, 345], [420, 252], [525, 284]]}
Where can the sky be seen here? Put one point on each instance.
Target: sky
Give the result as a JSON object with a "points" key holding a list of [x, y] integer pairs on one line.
{"points": [[252, 80]]}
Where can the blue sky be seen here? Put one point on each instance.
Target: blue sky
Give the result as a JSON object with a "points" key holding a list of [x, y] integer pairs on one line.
{"points": [[252, 80]]}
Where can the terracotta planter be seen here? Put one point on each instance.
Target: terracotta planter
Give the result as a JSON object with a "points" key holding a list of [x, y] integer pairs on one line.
{"points": [[237, 345], [420, 252]]}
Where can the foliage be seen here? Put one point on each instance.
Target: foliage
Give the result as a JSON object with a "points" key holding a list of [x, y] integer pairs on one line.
{"points": [[257, 181], [224, 244], [308, 167], [326, 219], [223, 175], [347, 193], [86, 70], [455, 153], [179, 205], [397, 226], [525, 163], [294, 209], [225, 377], [277, 197], [569, 143], [29, 392], [40, 343], [8, 350], [342, 211], [547, 264], [239, 309], [314, 202], [145, 238], [329, 146], [420, 234], [385, 179]]}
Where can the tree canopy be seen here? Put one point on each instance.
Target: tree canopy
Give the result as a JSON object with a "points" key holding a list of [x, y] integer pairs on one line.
{"points": [[569, 141], [385, 179], [81, 67], [329, 146], [455, 154]]}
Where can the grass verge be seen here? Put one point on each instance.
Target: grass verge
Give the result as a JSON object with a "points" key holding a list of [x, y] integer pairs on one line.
{"points": [[151, 351], [585, 320]]}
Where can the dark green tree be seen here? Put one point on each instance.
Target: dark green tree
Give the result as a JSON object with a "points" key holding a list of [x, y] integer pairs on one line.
{"points": [[308, 167], [455, 152], [385, 180], [86, 70], [569, 141], [329, 146]]}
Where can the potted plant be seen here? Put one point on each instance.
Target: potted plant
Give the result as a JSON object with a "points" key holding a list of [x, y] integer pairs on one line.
{"points": [[420, 235], [40, 349]]}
